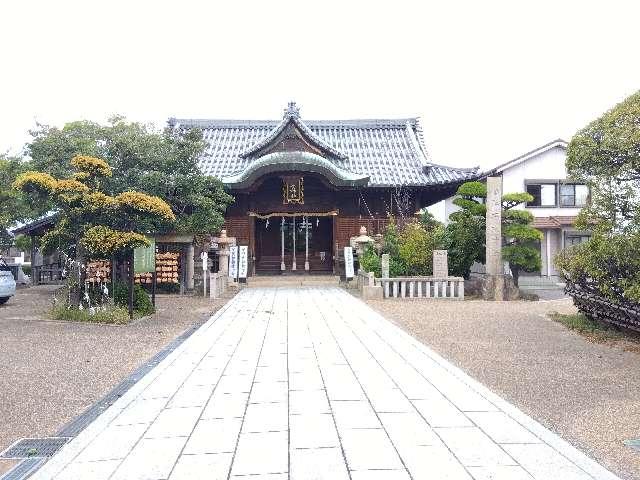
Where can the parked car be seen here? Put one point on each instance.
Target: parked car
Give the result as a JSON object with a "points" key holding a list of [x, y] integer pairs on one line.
{"points": [[7, 282]]}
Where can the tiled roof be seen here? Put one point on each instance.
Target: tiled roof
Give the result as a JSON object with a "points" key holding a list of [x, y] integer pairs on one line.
{"points": [[389, 152], [554, 221]]}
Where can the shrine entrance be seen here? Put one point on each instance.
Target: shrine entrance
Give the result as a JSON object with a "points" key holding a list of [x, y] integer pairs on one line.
{"points": [[294, 244]]}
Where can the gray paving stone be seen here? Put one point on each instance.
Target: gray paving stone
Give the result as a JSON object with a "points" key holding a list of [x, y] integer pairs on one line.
{"points": [[502, 428], [174, 422], [499, 473], [151, 459], [266, 417], [313, 431], [254, 382], [308, 401], [350, 414], [226, 405], [218, 435], [473, 447], [380, 475], [201, 467], [261, 453], [318, 464], [369, 449]]}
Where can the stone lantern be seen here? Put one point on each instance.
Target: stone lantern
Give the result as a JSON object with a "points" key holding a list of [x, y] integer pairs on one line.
{"points": [[224, 243], [362, 240]]}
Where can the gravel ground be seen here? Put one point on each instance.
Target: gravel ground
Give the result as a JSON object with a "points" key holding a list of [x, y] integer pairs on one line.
{"points": [[51, 371], [585, 392]]}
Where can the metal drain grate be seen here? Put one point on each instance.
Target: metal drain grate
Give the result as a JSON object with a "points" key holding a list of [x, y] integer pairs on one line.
{"points": [[34, 447], [635, 443]]}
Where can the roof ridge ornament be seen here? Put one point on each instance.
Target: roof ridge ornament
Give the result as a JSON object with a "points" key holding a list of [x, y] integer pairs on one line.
{"points": [[292, 111]]}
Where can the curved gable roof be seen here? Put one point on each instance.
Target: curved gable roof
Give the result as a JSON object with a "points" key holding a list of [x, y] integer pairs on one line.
{"points": [[390, 152]]}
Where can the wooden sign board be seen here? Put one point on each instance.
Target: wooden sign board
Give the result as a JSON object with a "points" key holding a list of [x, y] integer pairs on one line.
{"points": [[233, 262], [348, 262], [243, 261], [144, 258]]}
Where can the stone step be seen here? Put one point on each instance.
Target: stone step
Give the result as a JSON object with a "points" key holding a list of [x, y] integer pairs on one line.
{"points": [[292, 280]]}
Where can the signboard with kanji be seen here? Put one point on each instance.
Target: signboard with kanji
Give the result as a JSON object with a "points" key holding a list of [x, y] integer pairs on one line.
{"points": [[243, 261], [348, 262], [144, 258], [233, 262]]}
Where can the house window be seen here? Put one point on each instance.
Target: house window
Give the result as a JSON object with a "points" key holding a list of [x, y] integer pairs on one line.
{"points": [[544, 194], [573, 195], [575, 239]]}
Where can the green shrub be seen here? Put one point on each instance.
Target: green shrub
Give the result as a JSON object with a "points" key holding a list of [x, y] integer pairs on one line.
{"points": [[416, 248], [608, 264], [370, 262], [112, 314], [141, 301]]}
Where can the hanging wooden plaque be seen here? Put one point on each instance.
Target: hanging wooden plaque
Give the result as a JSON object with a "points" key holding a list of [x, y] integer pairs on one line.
{"points": [[293, 190]]}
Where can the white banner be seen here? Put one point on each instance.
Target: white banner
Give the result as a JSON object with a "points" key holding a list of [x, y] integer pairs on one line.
{"points": [[242, 264], [233, 262], [348, 262], [204, 256]]}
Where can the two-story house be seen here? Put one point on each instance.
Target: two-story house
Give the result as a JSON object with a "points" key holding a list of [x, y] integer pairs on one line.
{"points": [[556, 200]]}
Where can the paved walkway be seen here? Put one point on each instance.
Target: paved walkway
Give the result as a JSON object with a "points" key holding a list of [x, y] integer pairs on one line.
{"points": [[312, 384]]}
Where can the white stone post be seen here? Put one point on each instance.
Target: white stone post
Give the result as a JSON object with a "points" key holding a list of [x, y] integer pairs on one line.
{"points": [[495, 269], [282, 266], [306, 245], [293, 232], [190, 264], [213, 286]]}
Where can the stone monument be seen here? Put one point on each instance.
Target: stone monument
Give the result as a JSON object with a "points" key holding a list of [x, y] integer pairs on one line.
{"points": [[384, 262], [440, 264], [497, 285]]}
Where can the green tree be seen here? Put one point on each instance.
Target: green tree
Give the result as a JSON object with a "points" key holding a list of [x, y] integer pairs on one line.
{"points": [[606, 155], [14, 206], [416, 247], [162, 164], [91, 223], [465, 234]]}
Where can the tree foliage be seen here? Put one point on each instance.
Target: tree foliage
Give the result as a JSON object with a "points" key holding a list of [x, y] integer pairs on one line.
{"points": [[465, 235], [161, 164], [606, 155], [89, 219]]}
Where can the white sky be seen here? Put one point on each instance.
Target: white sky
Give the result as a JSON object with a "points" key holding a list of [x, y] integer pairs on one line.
{"points": [[491, 80]]}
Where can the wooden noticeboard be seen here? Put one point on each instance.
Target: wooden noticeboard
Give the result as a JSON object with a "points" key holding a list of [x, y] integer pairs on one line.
{"points": [[144, 258]]}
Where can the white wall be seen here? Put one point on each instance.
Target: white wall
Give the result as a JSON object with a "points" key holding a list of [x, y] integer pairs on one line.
{"points": [[549, 165]]}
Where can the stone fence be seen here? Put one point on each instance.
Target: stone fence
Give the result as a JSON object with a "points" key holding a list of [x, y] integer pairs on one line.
{"points": [[440, 285], [422, 287], [218, 284]]}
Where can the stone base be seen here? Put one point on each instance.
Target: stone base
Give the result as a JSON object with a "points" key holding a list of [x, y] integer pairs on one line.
{"points": [[372, 292], [499, 287]]}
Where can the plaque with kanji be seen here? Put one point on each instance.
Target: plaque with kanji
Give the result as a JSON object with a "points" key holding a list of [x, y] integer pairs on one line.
{"points": [[293, 190]]}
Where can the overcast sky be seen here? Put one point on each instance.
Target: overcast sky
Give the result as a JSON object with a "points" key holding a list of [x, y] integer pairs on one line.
{"points": [[490, 80]]}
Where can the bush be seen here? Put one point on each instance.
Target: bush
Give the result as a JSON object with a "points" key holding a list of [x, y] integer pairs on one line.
{"points": [[141, 301], [416, 248], [113, 314], [370, 262], [608, 264]]}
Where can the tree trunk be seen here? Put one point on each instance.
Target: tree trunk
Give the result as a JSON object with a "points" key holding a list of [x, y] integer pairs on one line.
{"points": [[76, 279], [515, 272]]}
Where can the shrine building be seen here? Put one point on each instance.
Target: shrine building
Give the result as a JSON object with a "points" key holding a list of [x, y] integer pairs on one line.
{"points": [[303, 188]]}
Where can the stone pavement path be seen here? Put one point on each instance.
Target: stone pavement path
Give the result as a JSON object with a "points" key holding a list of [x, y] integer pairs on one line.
{"points": [[312, 384]]}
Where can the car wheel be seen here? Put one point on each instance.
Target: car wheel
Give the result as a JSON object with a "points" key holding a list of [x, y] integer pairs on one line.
{"points": [[4, 300]]}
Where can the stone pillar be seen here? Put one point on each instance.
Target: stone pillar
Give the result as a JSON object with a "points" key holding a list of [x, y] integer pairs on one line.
{"points": [[385, 265], [282, 266], [306, 244], [190, 265], [440, 264], [494, 284]]}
